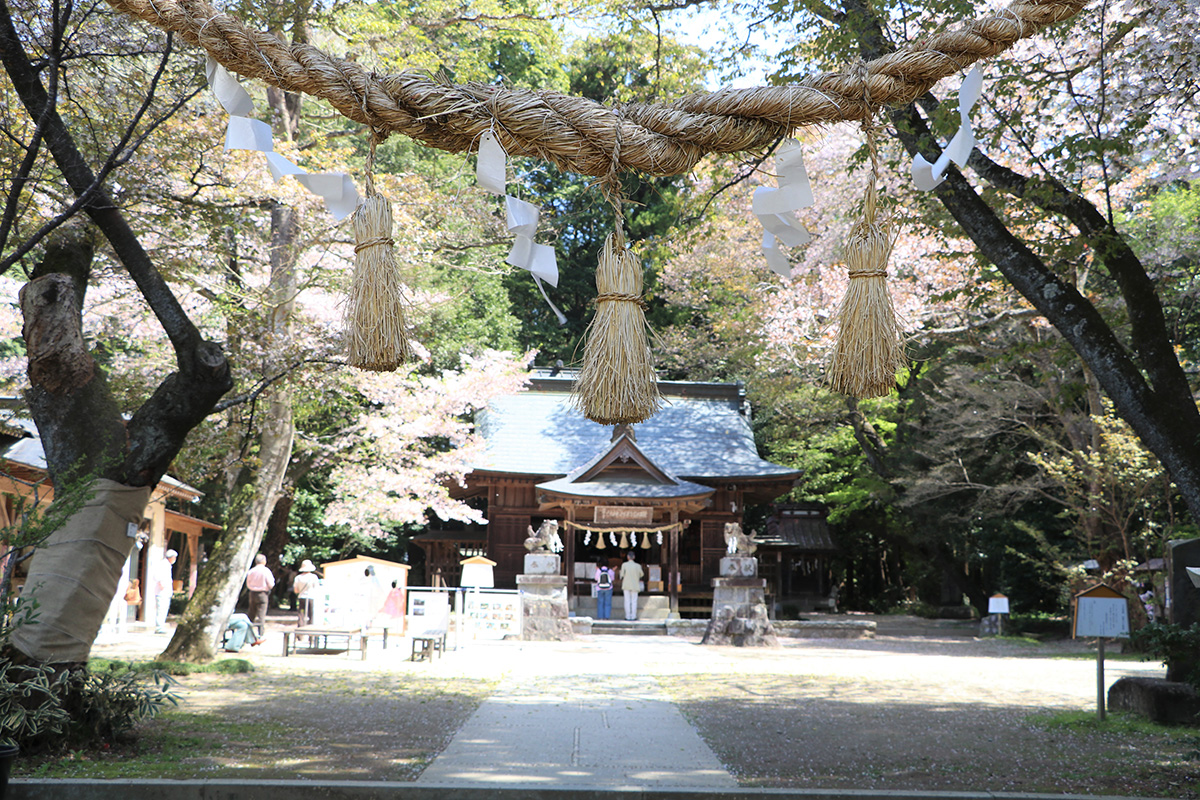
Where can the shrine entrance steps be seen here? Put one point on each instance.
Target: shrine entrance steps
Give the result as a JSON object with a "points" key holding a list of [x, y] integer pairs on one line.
{"points": [[621, 627]]}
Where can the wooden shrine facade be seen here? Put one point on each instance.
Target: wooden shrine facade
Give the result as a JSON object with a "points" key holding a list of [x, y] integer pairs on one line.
{"points": [[24, 483], [664, 488]]}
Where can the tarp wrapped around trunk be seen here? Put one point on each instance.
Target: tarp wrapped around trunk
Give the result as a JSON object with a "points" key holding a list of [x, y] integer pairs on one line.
{"points": [[74, 575]]}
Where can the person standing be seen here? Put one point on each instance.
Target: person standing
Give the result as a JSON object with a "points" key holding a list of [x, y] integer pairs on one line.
{"points": [[604, 589], [305, 586], [162, 583], [259, 582], [631, 578]]}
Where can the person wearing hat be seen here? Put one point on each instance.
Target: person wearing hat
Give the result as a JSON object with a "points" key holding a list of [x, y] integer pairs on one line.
{"points": [[305, 586], [162, 583]]}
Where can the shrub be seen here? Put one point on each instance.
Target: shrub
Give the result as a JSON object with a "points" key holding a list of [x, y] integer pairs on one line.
{"points": [[1177, 646], [31, 709]]}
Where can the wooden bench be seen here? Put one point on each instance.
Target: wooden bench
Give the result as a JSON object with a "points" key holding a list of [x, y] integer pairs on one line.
{"points": [[322, 637], [428, 644]]}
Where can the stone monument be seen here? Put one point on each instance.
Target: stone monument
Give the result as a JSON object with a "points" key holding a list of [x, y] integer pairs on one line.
{"points": [[739, 612], [543, 590]]}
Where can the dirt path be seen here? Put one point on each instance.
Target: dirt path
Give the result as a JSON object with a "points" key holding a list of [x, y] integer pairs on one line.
{"points": [[935, 711]]}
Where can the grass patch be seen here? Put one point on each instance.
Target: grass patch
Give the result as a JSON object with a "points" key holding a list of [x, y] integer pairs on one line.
{"points": [[226, 666], [1091, 656], [176, 745], [1114, 722]]}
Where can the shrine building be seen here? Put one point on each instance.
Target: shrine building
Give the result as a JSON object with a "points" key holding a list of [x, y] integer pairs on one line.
{"points": [[665, 487]]}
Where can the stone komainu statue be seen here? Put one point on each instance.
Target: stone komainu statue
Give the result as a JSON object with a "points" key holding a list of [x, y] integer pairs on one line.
{"points": [[545, 539], [738, 543]]}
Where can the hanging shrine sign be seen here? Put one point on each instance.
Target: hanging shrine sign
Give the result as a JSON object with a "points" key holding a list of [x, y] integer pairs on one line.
{"points": [[635, 515]]}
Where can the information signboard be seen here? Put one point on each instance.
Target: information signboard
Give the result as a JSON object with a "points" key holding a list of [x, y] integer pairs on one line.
{"points": [[1101, 612], [998, 604]]}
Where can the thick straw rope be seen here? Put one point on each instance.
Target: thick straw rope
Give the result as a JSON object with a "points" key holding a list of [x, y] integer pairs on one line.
{"points": [[616, 382], [655, 139]]}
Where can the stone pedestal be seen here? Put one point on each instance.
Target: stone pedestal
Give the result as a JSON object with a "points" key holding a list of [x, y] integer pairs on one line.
{"points": [[544, 613], [738, 567], [739, 613]]}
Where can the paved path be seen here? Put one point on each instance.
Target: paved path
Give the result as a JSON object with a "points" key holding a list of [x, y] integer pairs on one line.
{"points": [[603, 732]]}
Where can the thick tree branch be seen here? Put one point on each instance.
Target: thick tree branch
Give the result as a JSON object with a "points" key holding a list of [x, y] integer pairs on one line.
{"points": [[1148, 327], [1164, 416], [158, 429]]}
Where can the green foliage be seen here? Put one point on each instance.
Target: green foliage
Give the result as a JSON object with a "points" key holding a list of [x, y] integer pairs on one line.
{"points": [[106, 705], [225, 666], [45, 708], [31, 709], [1178, 648]]}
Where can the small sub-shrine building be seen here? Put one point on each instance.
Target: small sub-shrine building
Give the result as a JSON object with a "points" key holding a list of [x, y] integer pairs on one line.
{"points": [[665, 487]]}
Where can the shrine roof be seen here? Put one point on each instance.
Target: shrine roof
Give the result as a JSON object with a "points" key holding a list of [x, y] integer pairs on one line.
{"points": [[701, 432], [624, 471]]}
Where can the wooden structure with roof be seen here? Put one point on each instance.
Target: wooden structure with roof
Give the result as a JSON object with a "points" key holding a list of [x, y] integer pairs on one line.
{"points": [[670, 483], [23, 473]]}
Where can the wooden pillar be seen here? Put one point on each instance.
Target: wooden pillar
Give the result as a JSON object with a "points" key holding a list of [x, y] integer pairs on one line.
{"points": [[673, 566], [193, 546], [569, 552]]}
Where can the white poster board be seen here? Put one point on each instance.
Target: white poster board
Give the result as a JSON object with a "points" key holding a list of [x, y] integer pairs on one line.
{"points": [[1105, 617], [428, 612], [998, 604]]}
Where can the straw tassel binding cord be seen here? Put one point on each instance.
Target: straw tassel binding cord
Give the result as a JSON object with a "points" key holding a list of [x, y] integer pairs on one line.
{"points": [[617, 383], [375, 316], [868, 351]]}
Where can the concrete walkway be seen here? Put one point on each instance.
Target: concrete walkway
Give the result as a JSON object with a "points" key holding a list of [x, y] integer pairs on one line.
{"points": [[614, 732]]}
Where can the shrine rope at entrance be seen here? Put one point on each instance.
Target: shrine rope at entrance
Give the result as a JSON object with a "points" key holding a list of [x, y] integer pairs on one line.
{"points": [[583, 136], [673, 526]]}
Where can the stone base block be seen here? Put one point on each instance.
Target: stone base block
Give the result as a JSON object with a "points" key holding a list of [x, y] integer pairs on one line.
{"points": [[543, 564], [738, 567], [751, 630], [1158, 700], [544, 613]]}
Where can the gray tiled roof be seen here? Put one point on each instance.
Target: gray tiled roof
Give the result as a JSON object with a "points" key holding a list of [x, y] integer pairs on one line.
{"points": [[700, 432]]}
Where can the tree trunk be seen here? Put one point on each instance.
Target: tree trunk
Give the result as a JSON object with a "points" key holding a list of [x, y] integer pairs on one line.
{"points": [[217, 589], [203, 622], [75, 573]]}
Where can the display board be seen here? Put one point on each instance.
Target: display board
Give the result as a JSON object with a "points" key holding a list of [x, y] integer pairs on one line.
{"points": [[428, 612], [493, 614], [1102, 612]]}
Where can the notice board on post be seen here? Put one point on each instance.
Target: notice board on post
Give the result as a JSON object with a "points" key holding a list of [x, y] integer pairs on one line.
{"points": [[1101, 612]]}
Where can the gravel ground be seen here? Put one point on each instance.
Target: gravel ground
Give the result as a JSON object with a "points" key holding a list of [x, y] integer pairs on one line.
{"points": [[922, 706]]}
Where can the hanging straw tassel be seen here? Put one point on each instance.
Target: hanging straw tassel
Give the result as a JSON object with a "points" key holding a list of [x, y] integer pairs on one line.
{"points": [[616, 383], [375, 317], [868, 351]]}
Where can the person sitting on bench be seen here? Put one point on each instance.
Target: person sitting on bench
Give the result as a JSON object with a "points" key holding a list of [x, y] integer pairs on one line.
{"points": [[237, 631]]}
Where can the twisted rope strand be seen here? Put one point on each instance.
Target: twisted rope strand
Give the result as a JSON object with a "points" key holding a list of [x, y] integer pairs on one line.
{"points": [[655, 139]]}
